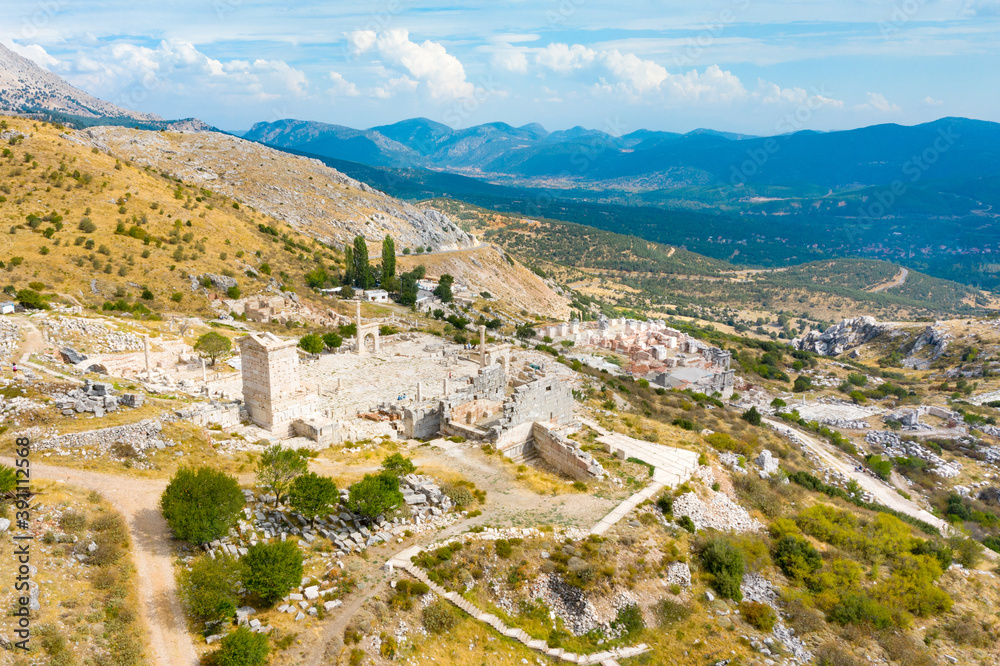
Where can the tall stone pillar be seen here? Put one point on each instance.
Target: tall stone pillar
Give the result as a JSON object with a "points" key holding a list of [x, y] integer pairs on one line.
{"points": [[204, 373], [446, 386], [357, 324], [482, 346], [149, 367], [420, 391]]}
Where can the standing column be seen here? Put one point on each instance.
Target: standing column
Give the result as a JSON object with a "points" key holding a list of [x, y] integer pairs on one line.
{"points": [[149, 368], [420, 391], [357, 324], [204, 374], [482, 346], [446, 386]]}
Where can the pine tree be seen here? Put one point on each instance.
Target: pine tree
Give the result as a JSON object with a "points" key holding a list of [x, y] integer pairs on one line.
{"points": [[388, 264], [362, 269]]}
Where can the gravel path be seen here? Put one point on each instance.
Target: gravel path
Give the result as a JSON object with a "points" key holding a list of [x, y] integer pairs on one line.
{"points": [[138, 502]]}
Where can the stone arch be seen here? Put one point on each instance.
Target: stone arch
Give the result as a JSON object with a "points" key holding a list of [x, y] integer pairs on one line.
{"points": [[92, 366]]}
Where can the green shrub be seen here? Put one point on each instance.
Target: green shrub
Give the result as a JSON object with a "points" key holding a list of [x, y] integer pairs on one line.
{"points": [[796, 557], [724, 563], [273, 569], [629, 621], [210, 588], [668, 611], [439, 618], [687, 523], [398, 465], [71, 521], [242, 648], [759, 616], [861, 609], [503, 548]]}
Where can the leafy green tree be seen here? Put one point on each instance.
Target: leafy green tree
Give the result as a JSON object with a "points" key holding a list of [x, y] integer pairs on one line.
{"points": [[362, 271], [525, 331], [31, 299], [313, 495], [752, 416], [278, 467], [311, 343], [443, 290], [802, 384], [317, 277], [388, 262], [408, 289], [332, 340], [201, 504], [397, 465], [211, 587], [233, 292], [374, 496], [273, 569], [213, 345], [242, 648]]}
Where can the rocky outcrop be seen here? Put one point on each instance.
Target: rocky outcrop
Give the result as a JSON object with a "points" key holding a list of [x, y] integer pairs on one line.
{"points": [[931, 344], [842, 336]]}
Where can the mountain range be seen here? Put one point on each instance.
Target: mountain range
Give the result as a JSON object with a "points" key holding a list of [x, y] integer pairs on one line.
{"points": [[648, 160]]}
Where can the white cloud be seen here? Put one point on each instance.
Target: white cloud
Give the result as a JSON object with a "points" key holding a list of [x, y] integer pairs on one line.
{"points": [[127, 74], [640, 76], [361, 40], [429, 63], [563, 58], [772, 93], [32, 52], [715, 85], [510, 60], [930, 101], [342, 87], [982, 8], [878, 102]]}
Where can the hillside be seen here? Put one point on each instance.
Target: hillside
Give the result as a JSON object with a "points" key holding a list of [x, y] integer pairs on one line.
{"points": [[634, 273], [26, 87], [309, 196]]}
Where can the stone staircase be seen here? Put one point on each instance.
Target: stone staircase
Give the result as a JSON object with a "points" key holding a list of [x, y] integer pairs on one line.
{"points": [[606, 658]]}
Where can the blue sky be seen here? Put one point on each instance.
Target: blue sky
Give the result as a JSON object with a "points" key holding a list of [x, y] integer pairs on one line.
{"points": [[755, 66]]}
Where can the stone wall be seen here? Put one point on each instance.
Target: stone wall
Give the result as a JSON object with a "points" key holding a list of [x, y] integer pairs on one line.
{"points": [[564, 454], [546, 400], [226, 415], [319, 429]]}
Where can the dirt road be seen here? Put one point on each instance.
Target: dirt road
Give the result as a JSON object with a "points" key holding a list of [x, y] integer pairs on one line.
{"points": [[138, 502], [883, 493]]}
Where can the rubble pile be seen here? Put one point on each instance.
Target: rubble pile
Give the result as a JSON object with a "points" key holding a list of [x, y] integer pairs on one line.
{"points": [[97, 398], [10, 337], [845, 424], [13, 408], [720, 513], [733, 462], [346, 532], [139, 436], [757, 588], [897, 447], [679, 573], [93, 336]]}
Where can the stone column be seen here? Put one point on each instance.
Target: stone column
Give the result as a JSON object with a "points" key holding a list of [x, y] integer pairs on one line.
{"points": [[357, 324], [420, 391], [340, 385], [446, 386], [149, 369], [482, 346], [204, 374]]}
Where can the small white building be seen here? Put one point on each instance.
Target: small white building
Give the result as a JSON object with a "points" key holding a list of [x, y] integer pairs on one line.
{"points": [[376, 296], [7, 308]]}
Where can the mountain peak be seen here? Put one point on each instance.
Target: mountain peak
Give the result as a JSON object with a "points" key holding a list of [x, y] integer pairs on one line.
{"points": [[26, 87]]}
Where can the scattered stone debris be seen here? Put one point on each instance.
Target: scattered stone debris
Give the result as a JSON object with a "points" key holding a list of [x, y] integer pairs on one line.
{"points": [[123, 441], [720, 513], [97, 398], [10, 338], [733, 462], [895, 446], [93, 336]]}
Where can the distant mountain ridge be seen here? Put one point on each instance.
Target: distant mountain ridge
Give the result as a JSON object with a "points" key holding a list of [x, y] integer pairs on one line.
{"points": [[650, 160]]}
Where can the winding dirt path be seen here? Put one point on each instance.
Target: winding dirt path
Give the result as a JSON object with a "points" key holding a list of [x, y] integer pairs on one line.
{"points": [[883, 493], [138, 502]]}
